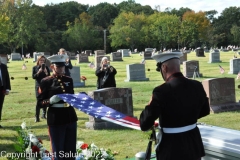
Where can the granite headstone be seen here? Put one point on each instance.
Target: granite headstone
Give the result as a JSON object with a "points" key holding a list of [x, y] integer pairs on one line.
{"points": [[234, 66], [116, 56], [136, 72], [191, 67], [119, 99], [221, 94]]}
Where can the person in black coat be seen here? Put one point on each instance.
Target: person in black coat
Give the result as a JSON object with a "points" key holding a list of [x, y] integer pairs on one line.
{"points": [[5, 86], [178, 104], [39, 72], [106, 75], [61, 117], [68, 63]]}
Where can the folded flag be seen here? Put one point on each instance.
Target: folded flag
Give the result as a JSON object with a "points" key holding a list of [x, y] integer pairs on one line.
{"points": [[221, 69], [86, 104]]}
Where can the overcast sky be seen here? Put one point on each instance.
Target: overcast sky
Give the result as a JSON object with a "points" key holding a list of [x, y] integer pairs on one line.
{"points": [[196, 5]]}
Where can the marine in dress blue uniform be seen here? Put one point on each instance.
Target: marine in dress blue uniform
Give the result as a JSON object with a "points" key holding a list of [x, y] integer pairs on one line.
{"points": [[61, 117], [178, 104]]}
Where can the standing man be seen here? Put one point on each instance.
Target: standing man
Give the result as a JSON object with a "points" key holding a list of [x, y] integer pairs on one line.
{"points": [[68, 64], [5, 86], [178, 104], [61, 117]]}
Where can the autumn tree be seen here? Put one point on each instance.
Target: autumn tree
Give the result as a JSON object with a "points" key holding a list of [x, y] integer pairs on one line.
{"points": [[127, 30], [201, 23]]}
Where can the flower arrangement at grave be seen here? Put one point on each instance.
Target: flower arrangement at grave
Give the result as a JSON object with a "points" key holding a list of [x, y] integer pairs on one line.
{"points": [[29, 146], [92, 152], [83, 78]]}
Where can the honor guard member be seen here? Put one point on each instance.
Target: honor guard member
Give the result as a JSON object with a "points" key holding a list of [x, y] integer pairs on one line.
{"points": [[177, 104], [61, 117]]}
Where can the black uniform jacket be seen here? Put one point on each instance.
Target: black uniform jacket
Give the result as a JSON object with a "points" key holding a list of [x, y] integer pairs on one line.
{"points": [[177, 103], [110, 81], [53, 85]]}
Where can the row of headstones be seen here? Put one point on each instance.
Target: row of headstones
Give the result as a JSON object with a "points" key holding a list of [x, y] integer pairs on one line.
{"points": [[220, 91]]}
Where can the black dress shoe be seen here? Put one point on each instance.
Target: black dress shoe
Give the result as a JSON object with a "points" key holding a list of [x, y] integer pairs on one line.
{"points": [[37, 119]]}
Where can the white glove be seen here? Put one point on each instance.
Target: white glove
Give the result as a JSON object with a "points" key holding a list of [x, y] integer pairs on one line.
{"points": [[54, 99]]}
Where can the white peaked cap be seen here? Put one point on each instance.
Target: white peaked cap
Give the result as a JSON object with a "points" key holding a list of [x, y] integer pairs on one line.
{"points": [[163, 57], [57, 58]]}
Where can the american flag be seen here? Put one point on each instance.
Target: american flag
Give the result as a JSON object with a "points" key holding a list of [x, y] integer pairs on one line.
{"points": [[86, 104], [91, 65], [238, 75], [221, 69], [24, 67], [143, 61]]}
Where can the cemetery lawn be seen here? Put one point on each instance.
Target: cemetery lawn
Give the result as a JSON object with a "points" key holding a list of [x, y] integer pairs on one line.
{"points": [[19, 106]]}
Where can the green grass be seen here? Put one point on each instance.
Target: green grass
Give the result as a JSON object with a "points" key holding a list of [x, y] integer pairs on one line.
{"points": [[19, 106]]}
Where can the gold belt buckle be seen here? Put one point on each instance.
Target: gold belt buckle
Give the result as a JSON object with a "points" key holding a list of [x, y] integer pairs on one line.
{"points": [[66, 105]]}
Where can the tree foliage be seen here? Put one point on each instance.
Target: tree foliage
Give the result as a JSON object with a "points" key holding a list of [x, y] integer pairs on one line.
{"points": [[24, 23], [127, 30]]}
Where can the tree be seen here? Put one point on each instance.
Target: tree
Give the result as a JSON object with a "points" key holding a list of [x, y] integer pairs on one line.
{"points": [[103, 14], [127, 30], [81, 35], [201, 22], [235, 31], [25, 23]]}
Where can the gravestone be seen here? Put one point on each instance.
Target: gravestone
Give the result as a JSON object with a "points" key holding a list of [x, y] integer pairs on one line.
{"points": [[147, 55], [116, 56], [234, 66], [75, 74], [71, 55], [183, 58], [189, 67], [136, 72], [82, 58], [214, 56], [119, 99], [149, 49], [47, 54], [35, 56], [125, 52], [4, 58], [99, 53], [221, 94], [200, 52], [16, 57], [88, 52], [98, 60]]}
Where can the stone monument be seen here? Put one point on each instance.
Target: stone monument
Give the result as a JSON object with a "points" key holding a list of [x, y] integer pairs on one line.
{"points": [[116, 56], [221, 94], [75, 74], [136, 72], [214, 56], [234, 66], [119, 99], [190, 68]]}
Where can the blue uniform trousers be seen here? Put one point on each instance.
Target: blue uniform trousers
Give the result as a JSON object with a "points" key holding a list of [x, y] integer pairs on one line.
{"points": [[63, 141]]}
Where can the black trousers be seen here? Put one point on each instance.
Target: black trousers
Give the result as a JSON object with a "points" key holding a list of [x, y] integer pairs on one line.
{"points": [[2, 96], [37, 108]]}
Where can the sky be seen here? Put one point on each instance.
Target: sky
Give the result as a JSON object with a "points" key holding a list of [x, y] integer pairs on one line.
{"points": [[196, 5]]}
